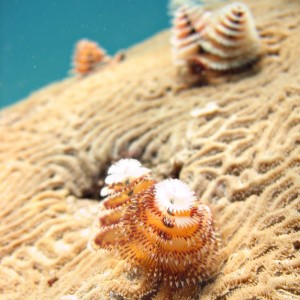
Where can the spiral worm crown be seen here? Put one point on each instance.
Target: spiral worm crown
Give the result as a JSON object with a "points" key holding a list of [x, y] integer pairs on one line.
{"points": [[160, 227], [207, 43], [230, 40], [86, 56], [188, 23]]}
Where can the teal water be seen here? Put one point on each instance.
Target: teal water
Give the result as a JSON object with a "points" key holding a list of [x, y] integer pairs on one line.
{"points": [[37, 37]]}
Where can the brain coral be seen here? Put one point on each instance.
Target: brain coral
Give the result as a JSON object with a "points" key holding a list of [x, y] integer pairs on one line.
{"points": [[237, 144]]}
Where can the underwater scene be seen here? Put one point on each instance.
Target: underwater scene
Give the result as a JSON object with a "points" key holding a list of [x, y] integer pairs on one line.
{"points": [[150, 150], [37, 37]]}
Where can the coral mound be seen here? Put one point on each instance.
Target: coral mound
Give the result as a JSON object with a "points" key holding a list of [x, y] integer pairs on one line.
{"points": [[236, 144]]}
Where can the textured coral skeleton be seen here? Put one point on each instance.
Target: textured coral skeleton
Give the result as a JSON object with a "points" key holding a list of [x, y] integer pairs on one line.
{"points": [[159, 227], [240, 153]]}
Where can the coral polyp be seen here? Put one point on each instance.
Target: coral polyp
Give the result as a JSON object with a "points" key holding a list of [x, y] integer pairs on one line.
{"points": [[86, 56], [161, 228]]}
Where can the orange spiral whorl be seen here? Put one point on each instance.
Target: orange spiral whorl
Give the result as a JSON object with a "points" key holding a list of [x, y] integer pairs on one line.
{"points": [[125, 179], [113, 208], [87, 55], [170, 243], [159, 227]]}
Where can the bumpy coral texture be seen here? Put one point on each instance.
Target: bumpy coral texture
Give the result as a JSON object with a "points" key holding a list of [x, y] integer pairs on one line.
{"points": [[236, 144]]}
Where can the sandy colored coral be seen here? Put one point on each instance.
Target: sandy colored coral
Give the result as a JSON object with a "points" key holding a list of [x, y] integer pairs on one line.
{"points": [[236, 143]]}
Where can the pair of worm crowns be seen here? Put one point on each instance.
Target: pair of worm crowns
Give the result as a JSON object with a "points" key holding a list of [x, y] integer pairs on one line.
{"points": [[160, 227], [88, 56], [206, 42]]}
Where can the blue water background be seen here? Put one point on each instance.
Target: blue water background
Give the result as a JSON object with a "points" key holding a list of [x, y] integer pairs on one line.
{"points": [[37, 37]]}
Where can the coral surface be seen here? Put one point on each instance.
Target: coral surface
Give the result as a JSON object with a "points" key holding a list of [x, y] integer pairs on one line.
{"points": [[237, 144]]}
